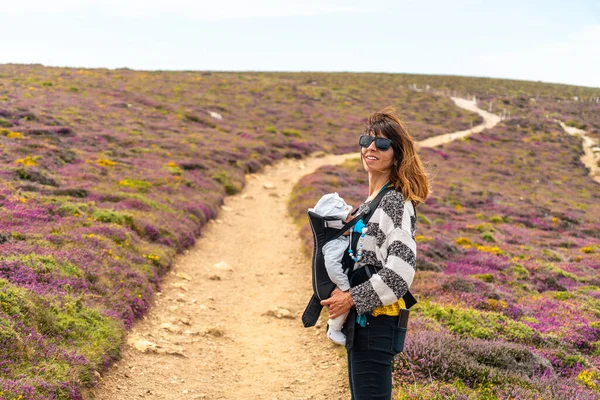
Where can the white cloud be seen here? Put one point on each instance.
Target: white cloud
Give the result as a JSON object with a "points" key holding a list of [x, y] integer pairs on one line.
{"points": [[574, 60], [201, 10]]}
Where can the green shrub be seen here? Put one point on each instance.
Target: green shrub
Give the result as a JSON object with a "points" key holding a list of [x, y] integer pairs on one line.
{"points": [[423, 219], [563, 295], [485, 277], [560, 272], [43, 264], [498, 219], [138, 184], [519, 271], [552, 255], [271, 129], [76, 209], [110, 216], [291, 132], [488, 237], [478, 324], [223, 178], [576, 124], [14, 301]]}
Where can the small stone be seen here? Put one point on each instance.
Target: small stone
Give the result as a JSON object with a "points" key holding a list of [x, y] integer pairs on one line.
{"points": [[181, 297], [247, 197], [215, 115], [180, 285], [176, 352], [183, 275], [142, 345], [215, 331], [171, 328], [268, 185], [279, 313], [215, 278], [222, 265]]}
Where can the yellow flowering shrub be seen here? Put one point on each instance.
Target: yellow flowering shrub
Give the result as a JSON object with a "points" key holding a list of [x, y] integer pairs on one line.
{"points": [[14, 135], [27, 161], [105, 162], [421, 238], [589, 378], [463, 240], [491, 249]]}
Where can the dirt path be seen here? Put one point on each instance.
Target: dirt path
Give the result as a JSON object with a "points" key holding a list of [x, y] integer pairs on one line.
{"points": [[207, 335], [591, 150], [216, 316], [490, 120]]}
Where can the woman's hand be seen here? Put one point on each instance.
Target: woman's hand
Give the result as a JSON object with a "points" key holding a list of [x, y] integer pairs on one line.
{"points": [[339, 303]]}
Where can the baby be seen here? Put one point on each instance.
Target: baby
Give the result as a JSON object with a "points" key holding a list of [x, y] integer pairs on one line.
{"points": [[332, 205]]}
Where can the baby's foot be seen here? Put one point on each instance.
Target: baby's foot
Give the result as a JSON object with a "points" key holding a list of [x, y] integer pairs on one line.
{"points": [[336, 337]]}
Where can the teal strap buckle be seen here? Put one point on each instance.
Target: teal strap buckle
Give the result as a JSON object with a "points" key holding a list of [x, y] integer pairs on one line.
{"points": [[361, 319]]}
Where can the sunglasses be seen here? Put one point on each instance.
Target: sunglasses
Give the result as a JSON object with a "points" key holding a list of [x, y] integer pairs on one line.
{"points": [[381, 143]]}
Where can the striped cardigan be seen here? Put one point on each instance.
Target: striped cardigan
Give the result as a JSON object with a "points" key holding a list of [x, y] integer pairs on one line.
{"points": [[388, 244]]}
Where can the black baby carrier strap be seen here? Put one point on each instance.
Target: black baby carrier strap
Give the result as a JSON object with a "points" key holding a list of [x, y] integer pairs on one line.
{"points": [[325, 229]]}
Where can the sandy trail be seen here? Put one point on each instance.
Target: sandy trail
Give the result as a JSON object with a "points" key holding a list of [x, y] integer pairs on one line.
{"points": [[591, 150], [232, 350], [490, 120], [207, 333]]}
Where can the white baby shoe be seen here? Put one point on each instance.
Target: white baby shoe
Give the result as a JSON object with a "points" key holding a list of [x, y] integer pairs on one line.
{"points": [[336, 337]]}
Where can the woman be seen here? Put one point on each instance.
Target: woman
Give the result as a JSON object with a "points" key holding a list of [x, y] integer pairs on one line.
{"points": [[388, 154]]}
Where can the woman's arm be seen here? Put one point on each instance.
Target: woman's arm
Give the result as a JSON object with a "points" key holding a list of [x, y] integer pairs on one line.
{"points": [[392, 221]]}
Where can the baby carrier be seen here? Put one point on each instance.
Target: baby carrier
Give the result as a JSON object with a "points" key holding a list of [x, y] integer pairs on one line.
{"points": [[325, 229]]}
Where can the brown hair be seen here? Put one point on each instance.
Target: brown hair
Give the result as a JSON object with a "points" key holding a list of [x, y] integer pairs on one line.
{"points": [[407, 173]]}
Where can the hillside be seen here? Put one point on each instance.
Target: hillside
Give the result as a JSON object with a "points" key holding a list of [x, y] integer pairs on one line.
{"points": [[508, 265], [108, 175]]}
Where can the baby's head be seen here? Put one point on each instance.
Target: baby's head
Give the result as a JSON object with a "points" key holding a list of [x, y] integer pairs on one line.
{"points": [[332, 205]]}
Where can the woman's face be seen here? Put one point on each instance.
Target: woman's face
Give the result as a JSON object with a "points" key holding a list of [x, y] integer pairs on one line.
{"points": [[376, 160]]}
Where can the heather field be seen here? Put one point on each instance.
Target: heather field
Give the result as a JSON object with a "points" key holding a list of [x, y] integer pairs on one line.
{"points": [[107, 175], [508, 266]]}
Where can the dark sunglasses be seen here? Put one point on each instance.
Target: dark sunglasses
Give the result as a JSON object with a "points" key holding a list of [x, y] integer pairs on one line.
{"points": [[381, 143]]}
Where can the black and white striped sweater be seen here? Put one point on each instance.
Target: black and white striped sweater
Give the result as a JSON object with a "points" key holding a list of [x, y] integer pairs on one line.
{"points": [[388, 244]]}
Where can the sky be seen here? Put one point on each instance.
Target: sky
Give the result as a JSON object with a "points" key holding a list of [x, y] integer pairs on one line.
{"points": [[550, 41]]}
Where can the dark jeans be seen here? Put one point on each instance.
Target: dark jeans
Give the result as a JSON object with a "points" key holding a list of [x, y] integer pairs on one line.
{"points": [[371, 356]]}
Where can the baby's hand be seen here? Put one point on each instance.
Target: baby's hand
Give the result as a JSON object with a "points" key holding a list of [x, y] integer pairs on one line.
{"points": [[348, 219]]}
